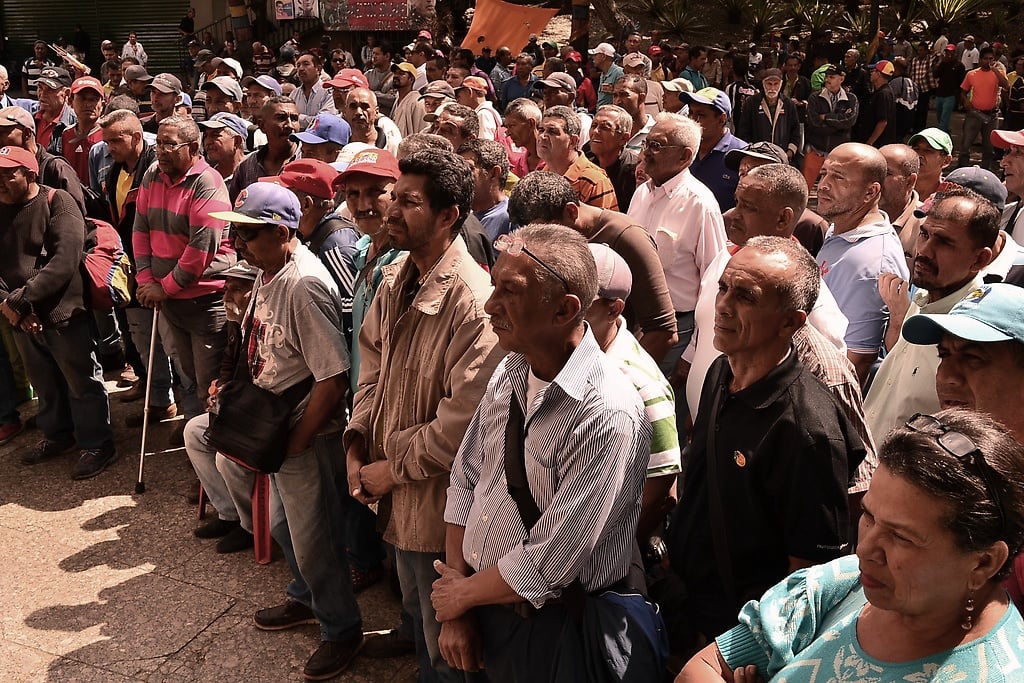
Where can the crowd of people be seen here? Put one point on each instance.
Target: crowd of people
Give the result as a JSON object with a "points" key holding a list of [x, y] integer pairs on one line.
{"points": [[558, 339]]}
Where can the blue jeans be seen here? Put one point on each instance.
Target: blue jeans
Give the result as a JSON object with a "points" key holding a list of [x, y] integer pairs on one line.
{"points": [[416, 574], [944, 107], [62, 366], [306, 520]]}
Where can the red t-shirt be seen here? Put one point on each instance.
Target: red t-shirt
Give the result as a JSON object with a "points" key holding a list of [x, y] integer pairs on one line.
{"points": [[76, 150]]}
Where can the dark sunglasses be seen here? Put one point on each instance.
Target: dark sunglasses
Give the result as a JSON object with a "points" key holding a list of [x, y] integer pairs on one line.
{"points": [[247, 233]]}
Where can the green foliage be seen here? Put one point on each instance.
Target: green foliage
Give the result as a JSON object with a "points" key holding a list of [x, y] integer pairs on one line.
{"points": [[814, 16], [672, 17], [949, 12], [765, 17], [858, 24]]}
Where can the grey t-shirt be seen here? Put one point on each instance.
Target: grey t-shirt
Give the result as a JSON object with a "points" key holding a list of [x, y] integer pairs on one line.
{"points": [[296, 327]]}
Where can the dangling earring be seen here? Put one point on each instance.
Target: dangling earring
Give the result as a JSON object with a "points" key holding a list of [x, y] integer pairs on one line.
{"points": [[968, 621]]}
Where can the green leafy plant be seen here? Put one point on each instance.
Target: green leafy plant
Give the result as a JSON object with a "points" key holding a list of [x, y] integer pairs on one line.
{"points": [[814, 16], [765, 17], [858, 24], [734, 10], [671, 17], [949, 12]]}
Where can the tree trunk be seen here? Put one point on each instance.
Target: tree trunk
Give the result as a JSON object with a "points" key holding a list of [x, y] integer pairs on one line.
{"points": [[610, 16]]}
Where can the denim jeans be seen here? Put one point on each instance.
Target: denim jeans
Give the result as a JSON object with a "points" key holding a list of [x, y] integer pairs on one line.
{"points": [[194, 331], [140, 324], [62, 366], [306, 521], [944, 107], [975, 123], [416, 574], [204, 461]]}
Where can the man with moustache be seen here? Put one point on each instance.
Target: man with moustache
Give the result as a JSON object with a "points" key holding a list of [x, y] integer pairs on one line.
{"points": [[280, 122], [366, 122], [953, 248], [427, 353]]}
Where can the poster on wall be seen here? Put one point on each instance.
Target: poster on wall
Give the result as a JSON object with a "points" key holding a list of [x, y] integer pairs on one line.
{"points": [[307, 9], [376, 15], [284, 10]]}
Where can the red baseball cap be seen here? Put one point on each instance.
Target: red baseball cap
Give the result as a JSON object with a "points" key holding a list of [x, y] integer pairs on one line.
{"points": [[473, 83], [347, 78], [375, 162], [15, 157], [574, 57], [87, 83], [312, 176]]}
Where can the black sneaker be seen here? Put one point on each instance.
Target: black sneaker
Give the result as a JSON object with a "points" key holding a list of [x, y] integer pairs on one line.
{"points": [[390, 644], [216, 528], [93, 461], [46, 450], [288, 615], [236, 540], [331, 658]]}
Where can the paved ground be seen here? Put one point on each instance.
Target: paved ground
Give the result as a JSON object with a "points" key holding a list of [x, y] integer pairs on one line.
{"points": [[105, 585]]}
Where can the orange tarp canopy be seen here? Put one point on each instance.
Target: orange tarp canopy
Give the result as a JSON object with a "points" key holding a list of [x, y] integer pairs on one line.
{"points": [[497, 23]]}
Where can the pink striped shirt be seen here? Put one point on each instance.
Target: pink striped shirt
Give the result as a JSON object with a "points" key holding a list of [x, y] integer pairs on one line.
{"points": [[176, 241]]}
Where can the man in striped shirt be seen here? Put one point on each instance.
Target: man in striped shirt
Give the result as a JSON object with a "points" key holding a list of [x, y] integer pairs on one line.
{"points": [[583, 440], [179, 248], [558, 145]]}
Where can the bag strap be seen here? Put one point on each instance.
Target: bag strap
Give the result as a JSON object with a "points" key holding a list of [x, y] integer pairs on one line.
{"points": [[515, 464], [719, 536]]}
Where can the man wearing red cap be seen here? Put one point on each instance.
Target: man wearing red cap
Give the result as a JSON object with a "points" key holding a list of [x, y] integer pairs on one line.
{"points": [[54, 114], [473, 93], [87, 99], [46, 307]]}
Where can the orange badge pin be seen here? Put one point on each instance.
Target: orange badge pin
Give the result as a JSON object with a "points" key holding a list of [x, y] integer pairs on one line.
{"points": [[739, 459]]}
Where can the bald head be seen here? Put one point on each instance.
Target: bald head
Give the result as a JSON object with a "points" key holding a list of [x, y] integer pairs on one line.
{"points": [[901, 167], [852, 182]]}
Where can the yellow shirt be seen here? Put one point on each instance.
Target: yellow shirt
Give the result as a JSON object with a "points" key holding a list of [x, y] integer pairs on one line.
{"points": [[124, 185]]}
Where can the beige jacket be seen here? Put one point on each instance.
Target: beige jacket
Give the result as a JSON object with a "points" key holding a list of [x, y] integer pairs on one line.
{"points": [[424, 369]]}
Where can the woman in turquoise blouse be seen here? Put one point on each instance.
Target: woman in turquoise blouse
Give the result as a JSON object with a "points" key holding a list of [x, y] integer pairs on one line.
{"points": [[922, 600]]}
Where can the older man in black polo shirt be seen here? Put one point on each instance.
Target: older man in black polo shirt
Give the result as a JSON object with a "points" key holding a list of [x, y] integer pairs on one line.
{"points": [[764, 484]]}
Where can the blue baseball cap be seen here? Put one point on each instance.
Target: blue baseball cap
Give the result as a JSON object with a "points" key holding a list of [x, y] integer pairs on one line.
{"points": [[223, 119], [268, 83], [990, 313], [264, 203], [325, 128], [710, 96]]}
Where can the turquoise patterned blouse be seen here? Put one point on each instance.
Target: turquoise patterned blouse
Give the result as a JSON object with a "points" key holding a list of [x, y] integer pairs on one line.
{"points": [[804, 630]]}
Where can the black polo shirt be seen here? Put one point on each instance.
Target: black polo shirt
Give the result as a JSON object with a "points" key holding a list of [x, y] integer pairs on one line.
{"points": [[785, 454]]}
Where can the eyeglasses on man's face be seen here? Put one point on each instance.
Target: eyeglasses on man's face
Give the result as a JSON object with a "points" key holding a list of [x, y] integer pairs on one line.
{"points": [[514, 246]]}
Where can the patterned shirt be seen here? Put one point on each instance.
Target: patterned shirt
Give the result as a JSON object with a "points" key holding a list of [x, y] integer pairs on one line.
{"points": [[657, 395], [922, 74], [586, 451], [592, 184], [805, 629], [176, 241]]}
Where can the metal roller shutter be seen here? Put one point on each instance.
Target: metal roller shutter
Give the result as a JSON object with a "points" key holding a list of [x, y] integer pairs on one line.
{"points": [[154, 21]]}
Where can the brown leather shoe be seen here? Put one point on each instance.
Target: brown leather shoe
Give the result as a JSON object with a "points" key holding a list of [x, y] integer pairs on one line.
{"points": [[155, 415]]}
